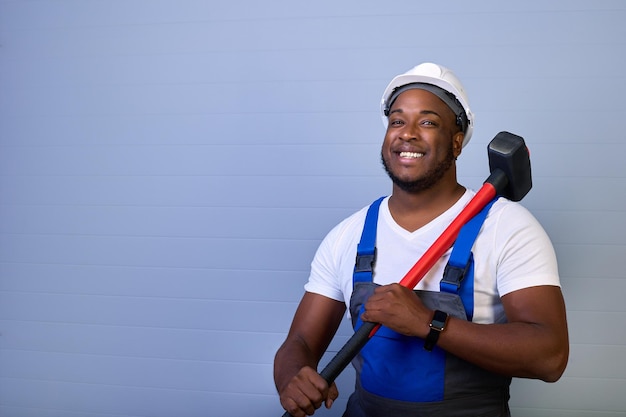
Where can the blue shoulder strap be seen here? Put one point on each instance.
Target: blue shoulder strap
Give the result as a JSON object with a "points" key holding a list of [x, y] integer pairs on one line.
{"points": [[366, 249], [460, 265], [461, 262]]}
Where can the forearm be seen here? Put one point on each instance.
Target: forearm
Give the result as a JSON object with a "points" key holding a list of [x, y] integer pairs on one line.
{"points": [[290, 358], [533, 344], [315, 323], [301, 389], [525, 350]]}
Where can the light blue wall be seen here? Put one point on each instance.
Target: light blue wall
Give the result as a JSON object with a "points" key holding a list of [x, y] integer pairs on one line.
{"points": [[168, 168]]}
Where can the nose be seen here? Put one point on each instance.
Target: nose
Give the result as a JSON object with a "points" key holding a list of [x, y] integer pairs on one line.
{"points": [[409, 132]]}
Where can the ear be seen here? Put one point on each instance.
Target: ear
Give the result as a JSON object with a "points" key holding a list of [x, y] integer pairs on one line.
{"points": [[457, 143]]}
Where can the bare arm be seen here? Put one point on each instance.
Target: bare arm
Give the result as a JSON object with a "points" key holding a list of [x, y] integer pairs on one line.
{"points": [[302, 390], [533, 344]]}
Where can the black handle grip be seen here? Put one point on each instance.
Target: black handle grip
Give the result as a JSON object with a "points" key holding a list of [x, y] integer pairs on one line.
{"points": [[345, 355], [352, 347]]}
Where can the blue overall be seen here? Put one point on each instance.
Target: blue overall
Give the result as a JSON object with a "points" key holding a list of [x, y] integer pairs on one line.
{"points": [[396, 376]]}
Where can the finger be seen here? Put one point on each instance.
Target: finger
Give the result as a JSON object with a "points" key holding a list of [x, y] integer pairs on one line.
{"points": [[299, 406], [314, 394], [292, 408], [304, 394]]}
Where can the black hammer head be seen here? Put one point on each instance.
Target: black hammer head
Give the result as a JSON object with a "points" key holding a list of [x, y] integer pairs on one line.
{"points": [[508, 153]]}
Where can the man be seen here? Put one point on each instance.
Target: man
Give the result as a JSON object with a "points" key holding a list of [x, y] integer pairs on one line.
{"points": [[437, 354]]}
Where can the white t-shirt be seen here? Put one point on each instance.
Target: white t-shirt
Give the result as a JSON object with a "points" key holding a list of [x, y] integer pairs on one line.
{"points": [[512, 252]]}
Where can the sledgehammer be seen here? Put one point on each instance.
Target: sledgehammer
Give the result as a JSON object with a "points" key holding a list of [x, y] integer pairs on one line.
{"points": [[509, 164]]}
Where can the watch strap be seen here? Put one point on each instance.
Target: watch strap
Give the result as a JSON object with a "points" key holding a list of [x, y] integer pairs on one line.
{"points": [[437, 325]]}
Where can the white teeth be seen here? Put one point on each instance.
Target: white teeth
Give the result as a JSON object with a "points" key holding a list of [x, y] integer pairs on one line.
{"points": [[411, 155]]}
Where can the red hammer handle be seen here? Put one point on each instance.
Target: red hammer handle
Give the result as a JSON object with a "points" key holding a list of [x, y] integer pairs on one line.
{"points": [[486, 193]]}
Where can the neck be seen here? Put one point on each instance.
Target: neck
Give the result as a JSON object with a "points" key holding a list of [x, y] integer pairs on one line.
{"points": [[414, 210]]}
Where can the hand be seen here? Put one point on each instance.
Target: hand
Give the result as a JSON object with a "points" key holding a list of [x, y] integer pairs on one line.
{"points": [[399, 309], [306, 392]]}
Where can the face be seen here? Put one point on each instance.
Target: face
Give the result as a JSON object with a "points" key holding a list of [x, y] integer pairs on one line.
{"points": [[422, 142]]}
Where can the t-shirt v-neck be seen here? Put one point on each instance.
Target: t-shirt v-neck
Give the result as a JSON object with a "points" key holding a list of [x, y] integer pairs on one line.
{"points": [[444, 218]]}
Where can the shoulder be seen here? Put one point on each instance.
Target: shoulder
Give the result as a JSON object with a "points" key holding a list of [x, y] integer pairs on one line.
{"points": [[523, 251], [332, 265], [510, 219], [507, 208]]}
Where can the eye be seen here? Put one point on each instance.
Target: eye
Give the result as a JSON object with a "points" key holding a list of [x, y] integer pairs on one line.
{"points": [[428, 122]]}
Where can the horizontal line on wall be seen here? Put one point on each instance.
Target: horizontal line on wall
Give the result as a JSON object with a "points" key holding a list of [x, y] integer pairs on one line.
{"points": [[105, 355], [148, 297], [95, 265], [184, 329], [143, 387]]}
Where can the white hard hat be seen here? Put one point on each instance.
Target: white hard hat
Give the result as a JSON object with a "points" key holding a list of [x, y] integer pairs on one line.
{"points": [[433, 74]]}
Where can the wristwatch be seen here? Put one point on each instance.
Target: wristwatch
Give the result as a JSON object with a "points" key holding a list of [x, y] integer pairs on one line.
{"points": [[437, 325]]}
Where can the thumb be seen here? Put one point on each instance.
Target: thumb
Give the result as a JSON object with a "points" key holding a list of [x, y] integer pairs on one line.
{"points": [[333, 393]]}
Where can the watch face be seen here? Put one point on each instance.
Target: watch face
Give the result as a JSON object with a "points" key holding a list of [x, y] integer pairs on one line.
{"points": [[439, 320]]}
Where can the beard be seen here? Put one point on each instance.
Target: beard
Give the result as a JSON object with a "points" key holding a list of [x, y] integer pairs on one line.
{"points": [[426, 181]]}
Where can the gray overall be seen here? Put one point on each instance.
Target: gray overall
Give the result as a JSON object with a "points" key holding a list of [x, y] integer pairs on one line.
{"points": [[469, 391]]}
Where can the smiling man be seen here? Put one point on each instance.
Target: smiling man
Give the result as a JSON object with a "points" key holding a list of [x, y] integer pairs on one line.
{"points": [[439, 352], [436, 118]]}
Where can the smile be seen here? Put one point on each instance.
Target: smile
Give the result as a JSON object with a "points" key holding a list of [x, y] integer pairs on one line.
{"points": [[411, 155]]}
